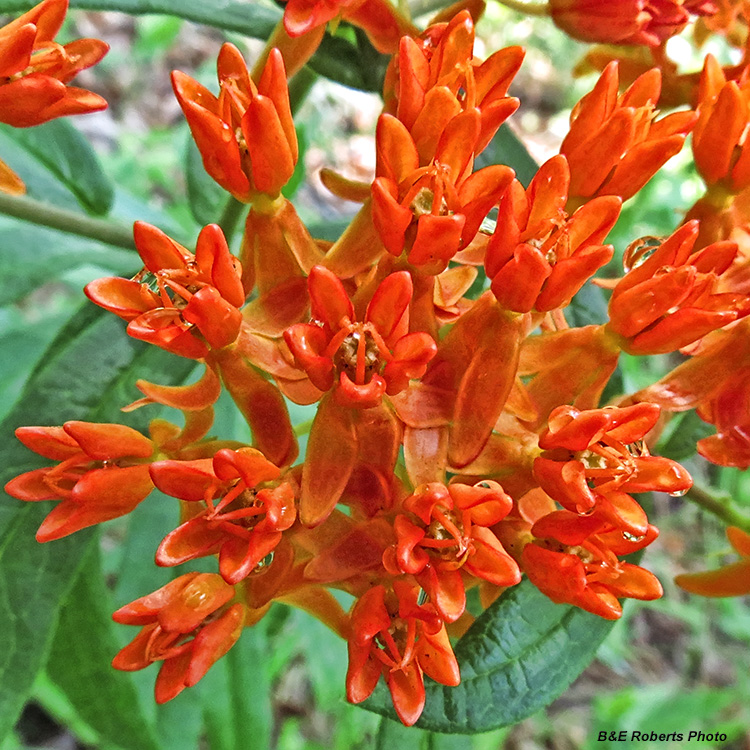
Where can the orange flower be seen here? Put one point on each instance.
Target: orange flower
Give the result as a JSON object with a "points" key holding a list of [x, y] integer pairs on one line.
{"points": [[432, 212], [670, 296], [729, 580], [102, 474], [587, 455], [720, 148], [34, 70], [446, 532], [245, 510], [648, 22], [246, 136], [614, 146], [195, 305], [394, 636], [361, 361], [538, 257], [437, 77], [716, 382], [380, 19], [188, 624], [572, 565]]}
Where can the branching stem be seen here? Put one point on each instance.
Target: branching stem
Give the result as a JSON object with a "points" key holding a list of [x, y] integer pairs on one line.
{"points": [[37, 212], [720, 506], [529, 9]]}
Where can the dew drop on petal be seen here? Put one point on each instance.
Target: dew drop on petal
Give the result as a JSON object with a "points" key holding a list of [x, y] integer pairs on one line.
{"points": [[679, 493], [628, 537], [264, 563]]}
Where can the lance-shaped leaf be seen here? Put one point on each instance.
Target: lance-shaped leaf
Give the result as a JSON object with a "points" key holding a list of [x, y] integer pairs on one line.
{"points": [[35, 578]]}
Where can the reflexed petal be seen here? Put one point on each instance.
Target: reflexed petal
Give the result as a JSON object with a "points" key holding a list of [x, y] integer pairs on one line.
{"points": [[195, 538], [436, 658], [407, 691], [213, 641], [125, 298], [187, 480], [730, 580], [157, 249], [490, 561], [103, 442], [170, 681], [31, 487], [390, 301], [50, 442]]}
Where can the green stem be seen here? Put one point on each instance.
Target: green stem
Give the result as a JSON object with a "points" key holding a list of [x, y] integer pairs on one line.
{"points": [[303, 428], [72, 222], [529, 9], [721, 507]]}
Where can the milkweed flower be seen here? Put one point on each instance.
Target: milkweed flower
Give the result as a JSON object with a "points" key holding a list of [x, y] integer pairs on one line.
{"points": [[647, 22], [720, 148], [444, 531], [34, 71], [437, 77], [538, 257], [103, 474], [615, 145], [241, 510], [728, 580], [720, 394], [382, 22], [188, 625], [361, 361], [571, 564], [246, 135], [588, 455], [183, 302], [392, 635], [431, 212], [670, 295]]}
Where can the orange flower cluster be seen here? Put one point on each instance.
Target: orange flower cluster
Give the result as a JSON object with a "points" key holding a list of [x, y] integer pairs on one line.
{"points": [[34, 71], [460, 438]]}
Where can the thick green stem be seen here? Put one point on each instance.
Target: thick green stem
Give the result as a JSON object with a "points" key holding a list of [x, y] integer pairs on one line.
{"points": [[721, 507], [72, 222], [529, 9]]}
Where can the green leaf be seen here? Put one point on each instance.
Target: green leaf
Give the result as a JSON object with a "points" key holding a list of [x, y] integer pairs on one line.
{"points": [[32, 255], [682, 433], [337, 58], [84, 644], [68, 155], [206, 197], [520, 655], [87, 373], [40, 183], [253, 19], [392, 733], [507, 148]]}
